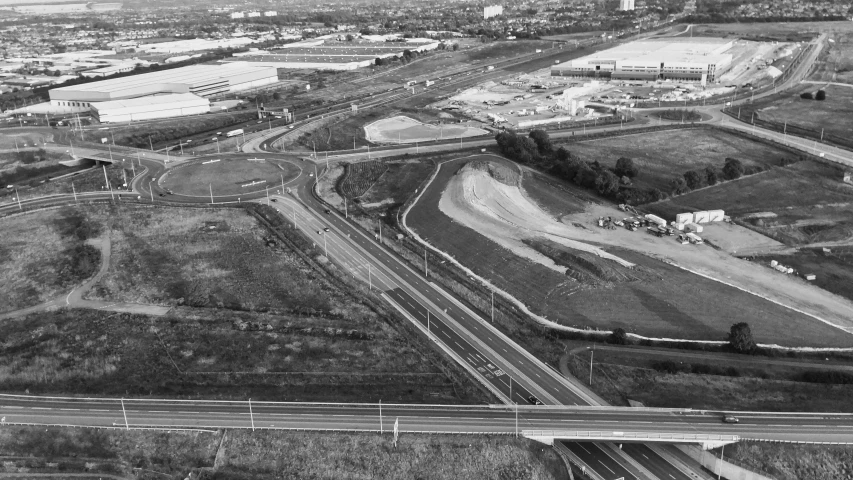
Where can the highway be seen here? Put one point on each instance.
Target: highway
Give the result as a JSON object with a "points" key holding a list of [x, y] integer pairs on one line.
{"points": [[484, 419]]}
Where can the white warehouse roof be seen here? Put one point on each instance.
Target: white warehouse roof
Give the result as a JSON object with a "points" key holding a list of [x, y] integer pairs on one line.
{"points": [[696, 50], [203, 80], [161, 106]]}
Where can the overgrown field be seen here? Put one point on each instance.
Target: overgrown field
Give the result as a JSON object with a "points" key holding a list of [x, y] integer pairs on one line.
{"points": [[617, 384], [164, 132], [800, 204], [208, 353], [205, 258], [772, 31], [276, 454], [662, 301], [835, 63], [43, 255], [664, 156], [359, 177], [795, 462], [399, 182]]}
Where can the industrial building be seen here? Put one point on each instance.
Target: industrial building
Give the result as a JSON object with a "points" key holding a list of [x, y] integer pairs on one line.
{"points": [[492, 11], [698, 59], [200, 80], [626, 5], [147, 108]]}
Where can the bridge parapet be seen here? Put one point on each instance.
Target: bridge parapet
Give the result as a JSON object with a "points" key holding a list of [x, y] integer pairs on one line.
{"points": [[548, 436]]}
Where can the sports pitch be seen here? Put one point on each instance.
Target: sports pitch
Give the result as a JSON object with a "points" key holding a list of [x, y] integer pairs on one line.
{"points": [[229, 176], [401, 129]]}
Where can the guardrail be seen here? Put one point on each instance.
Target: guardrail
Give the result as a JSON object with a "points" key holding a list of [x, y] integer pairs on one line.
{"points": [[611, 435]]}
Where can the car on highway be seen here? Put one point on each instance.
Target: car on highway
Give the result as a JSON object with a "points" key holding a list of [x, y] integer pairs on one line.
{"points": [[328, 212], [534, 401], [326, 229], [319, 232], [730, 419], [273, 200]]}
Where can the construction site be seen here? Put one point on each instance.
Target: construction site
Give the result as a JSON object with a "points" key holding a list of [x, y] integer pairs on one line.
{"points": [[564, 93]]}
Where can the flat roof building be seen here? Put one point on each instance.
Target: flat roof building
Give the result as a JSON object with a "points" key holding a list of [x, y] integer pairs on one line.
{"points": [[697, 59], [148, 108]]}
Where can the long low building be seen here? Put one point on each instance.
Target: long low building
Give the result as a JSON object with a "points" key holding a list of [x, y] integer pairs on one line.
{"points": [[200, 80], [698, 59], [148, 108]]}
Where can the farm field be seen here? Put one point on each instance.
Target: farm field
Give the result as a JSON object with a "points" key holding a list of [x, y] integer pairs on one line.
{"points": [[617, 383], [665, 155], [803, 203], [229, 176], [834, 115], [267, 455], [42, 256], [663, 301]]}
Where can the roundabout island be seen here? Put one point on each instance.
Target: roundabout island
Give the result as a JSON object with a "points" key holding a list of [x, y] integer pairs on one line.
{"points": [[231, 176]]}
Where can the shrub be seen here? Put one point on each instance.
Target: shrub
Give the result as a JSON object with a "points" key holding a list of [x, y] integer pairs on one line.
{"points": [[619, 336], [807, 95], [820, 95], [711, 176], [695, 179], [678, 186]]}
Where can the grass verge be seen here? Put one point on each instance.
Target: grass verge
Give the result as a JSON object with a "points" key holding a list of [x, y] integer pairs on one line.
{"points": [[795, 462]]}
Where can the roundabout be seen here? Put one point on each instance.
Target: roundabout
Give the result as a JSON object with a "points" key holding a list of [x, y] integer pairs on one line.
{"points": [[230, 176]]}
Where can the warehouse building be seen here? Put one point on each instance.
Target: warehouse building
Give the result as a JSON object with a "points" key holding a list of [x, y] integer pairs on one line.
{"points": [[696, 59], [147, 108], [199, 80]]}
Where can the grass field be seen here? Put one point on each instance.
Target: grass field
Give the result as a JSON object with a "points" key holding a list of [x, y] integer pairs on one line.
{"points": [[229, 176], [399, 182], [278, 454], [834, 270], [617, 384], [834, 115], [795, 462], [42, 256], [359, 177], [663, 156], [667, 302], [808, 199], [205, 258], [169, 132]]}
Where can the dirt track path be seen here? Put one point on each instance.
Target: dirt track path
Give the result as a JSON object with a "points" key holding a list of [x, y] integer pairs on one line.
{"points": [[74, 299]]}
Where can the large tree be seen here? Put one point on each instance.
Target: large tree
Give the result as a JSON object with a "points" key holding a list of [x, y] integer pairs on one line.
{"points": [[543, 141], [733, 169], [625, 168], [740, 338], [695, 179], [607, 183]]}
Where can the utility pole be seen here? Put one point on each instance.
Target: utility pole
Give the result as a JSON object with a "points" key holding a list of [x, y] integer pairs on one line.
{"points": [[720, 470], [151, 144], [107, 181], [428, 323], [426, 271], [493, 306], [123, 411], [381, 428], [325, 248], [346, 211], [74, 191], [18, 198], [369, 279], [516, 420], [211, 192], [591, 356], [150, 190], [251, 415]]}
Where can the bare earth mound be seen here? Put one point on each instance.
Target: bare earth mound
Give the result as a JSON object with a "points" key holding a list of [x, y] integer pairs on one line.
{"points": [[402, 129], [505, 215]]}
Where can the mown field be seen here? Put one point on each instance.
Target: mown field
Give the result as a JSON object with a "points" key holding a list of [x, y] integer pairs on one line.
{"points": [[807, 201], [665, 302], [834, 270], [833, 116], [43, 255], [663, 156], [276, 454]]}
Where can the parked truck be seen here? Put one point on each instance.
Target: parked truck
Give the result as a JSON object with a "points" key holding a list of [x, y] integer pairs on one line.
{"points": [[234, 133]]}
